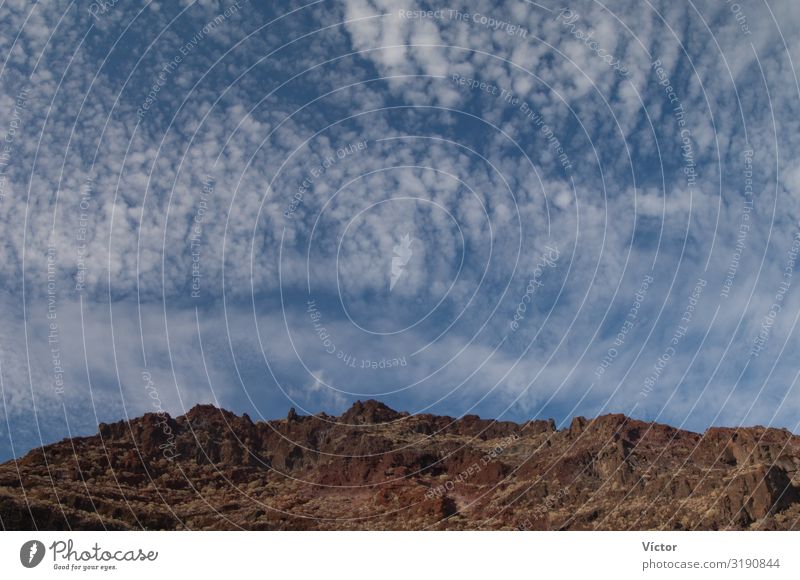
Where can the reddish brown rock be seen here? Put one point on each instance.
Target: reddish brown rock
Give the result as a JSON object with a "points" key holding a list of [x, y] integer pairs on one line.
{"points": [[376, 468]]}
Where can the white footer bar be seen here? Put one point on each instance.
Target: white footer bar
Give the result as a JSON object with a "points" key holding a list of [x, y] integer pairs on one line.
{"points": [[401, 555]]}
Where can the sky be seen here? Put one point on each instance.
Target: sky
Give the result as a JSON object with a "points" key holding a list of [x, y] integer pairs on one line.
{"points": [[513, 209]]}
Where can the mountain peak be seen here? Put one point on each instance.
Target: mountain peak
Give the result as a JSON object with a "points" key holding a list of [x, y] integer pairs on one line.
{"points": [[370, 412]]}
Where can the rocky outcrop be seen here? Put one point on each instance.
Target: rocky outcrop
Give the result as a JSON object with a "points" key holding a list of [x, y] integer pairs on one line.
{"points": [[377, 468]]}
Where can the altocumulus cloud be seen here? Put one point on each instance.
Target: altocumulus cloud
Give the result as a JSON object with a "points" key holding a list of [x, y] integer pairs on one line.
{"points": [[213, 192]]}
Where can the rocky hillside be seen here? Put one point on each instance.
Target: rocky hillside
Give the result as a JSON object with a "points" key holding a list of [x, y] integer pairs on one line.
{"points": [[375, 468]]}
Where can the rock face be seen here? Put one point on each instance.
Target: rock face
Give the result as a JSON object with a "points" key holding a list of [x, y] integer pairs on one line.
{"points": [[376, 468]]}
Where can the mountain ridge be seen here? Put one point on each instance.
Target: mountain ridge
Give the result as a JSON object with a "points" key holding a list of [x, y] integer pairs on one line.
{"points": [[373, 467]]}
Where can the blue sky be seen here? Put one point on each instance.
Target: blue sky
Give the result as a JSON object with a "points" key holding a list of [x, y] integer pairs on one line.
{"points": [[512, 209]]}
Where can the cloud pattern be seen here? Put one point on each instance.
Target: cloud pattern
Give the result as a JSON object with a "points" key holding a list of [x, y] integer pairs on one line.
{"points": [[599, 204]]}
